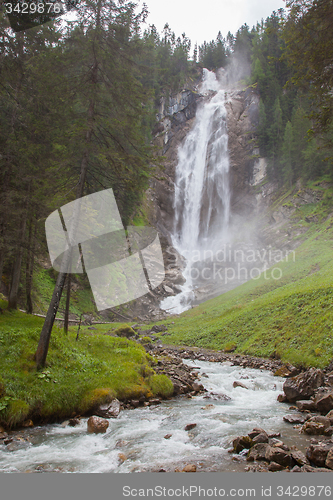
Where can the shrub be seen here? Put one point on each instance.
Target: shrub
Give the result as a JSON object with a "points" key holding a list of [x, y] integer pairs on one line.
{"points": [[16, 412], [161, 385], [96, 397], [125, 331]]}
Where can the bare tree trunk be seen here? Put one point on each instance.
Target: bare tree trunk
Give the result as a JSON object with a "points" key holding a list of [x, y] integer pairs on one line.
{"points": [[30, 263], [14, 288], [68, 298], [45, 335]]}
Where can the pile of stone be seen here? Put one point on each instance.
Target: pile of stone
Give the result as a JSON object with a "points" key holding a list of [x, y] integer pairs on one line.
{"points": [[270, 454], [183, 377], [312, 393], [272, 364]]}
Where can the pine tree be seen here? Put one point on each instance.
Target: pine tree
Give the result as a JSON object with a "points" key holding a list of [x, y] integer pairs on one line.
{"points": [[287, 154]]}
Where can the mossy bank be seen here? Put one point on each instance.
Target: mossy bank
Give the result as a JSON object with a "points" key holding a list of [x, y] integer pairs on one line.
{"points": [[80, 374]]}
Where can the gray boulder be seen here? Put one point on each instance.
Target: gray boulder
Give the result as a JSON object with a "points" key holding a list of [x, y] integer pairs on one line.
{"points": [[303, 386]]}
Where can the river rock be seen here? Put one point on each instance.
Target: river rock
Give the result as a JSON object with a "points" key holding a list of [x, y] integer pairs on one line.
{"points": [[260, 438], [308, 468], [258, 452], [306, 404], [217, 397], [256, 431], [241, 443], [294, 419], [329, 459], [285, 371], [317, 453], [324, 403], [190, 468], [72, 422], [109, 410], [18, 445], [28, 423], [316, 425], [274, 467], [189, 427], [279, 456], [299, 457], [239, 384], [97, 425], [197, 387], [303, 386]]}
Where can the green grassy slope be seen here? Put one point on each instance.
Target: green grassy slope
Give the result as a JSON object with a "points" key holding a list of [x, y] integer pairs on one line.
{"points": [[79, 374]]}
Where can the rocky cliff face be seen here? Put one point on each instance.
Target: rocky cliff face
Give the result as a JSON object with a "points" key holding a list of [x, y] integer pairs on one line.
{"points": [[176, 117]]}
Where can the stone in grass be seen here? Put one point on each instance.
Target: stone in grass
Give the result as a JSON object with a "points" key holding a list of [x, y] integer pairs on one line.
{"points": [[97, 425]]}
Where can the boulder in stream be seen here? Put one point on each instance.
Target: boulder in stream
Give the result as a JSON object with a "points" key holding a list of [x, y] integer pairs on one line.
{"points": [[304, 385], [97, 425]]}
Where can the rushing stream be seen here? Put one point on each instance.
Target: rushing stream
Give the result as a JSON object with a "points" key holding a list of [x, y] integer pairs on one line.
{"points": [[134, 442]]}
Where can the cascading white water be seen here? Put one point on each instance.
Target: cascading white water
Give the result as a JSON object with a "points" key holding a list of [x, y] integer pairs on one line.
{"points": [[135, 441], [202, 192]]}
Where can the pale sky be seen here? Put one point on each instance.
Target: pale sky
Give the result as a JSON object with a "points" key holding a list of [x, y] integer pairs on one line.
{"points": [[202, 20]]}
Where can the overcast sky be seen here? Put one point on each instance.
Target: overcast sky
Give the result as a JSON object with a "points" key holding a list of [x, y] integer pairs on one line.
{"points": [[202, 20]]}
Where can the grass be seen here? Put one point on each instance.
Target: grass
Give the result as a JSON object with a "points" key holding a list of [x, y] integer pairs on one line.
{"points": [[79, 374], [82, 300]]}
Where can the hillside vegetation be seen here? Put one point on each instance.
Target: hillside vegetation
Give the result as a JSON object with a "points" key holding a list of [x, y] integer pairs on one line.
{"points": [[290, 318], [80, 374]]}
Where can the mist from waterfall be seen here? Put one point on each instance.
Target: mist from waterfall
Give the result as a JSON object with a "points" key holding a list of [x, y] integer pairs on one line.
{"points": [[202, 192]]}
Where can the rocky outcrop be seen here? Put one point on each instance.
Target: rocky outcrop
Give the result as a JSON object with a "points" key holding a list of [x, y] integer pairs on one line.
{"points": [[274, 456], [109, 410], [303, 386]]}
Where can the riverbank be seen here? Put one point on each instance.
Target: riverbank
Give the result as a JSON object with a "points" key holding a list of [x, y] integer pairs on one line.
{"points": [[189, 431], [180, 364]]}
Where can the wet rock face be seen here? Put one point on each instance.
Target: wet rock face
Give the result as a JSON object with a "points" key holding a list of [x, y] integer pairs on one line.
{"points": [[243, 117], [97, 425], [109, 410], [304, 385], [318, 453]]}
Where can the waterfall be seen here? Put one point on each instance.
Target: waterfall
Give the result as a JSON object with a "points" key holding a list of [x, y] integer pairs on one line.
{"points": [[202, 192]]}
